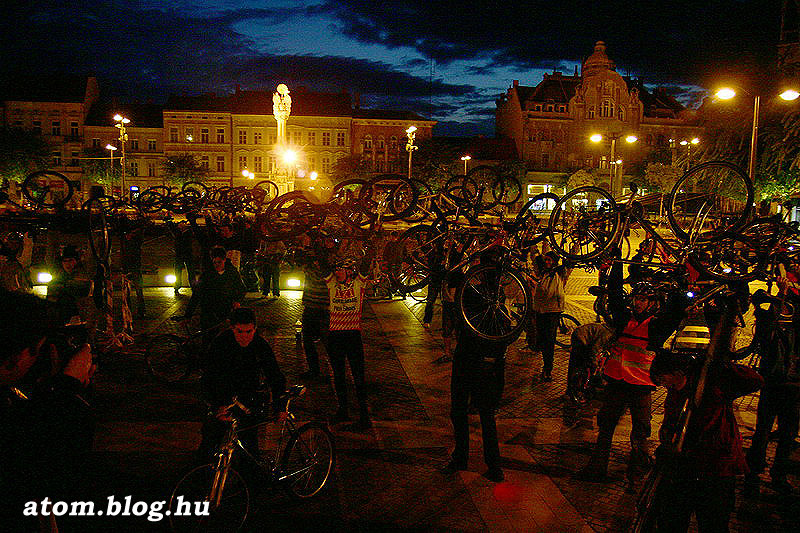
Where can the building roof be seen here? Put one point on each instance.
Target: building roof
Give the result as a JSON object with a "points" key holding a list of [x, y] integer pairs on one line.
{"points": [[387, 114], [555, 88], [304, 103], [44, 88], [141, 115]]}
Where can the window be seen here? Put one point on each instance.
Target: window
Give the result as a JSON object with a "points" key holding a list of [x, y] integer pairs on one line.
{"points": [[562, 109], [134, 168], [256, 137], [367, 142], [204, 135], [648, 140], [621, 114], [220, 136], [151, 169], [550, 108], [538, 108], [173, 135], [95, 143], [326, 164], [74, 161], [297, 138], [393, 142], [312, 138], [134, 144], [242, 162], [17, 123], [242, 137], [220, 163], [326, 138], [151, 145], [37, 127], [660, 141], [73, 129], [271, 138], [271, 163], [257, 165], [380, 143], [607, 109], [56, 127], [189, 134], [591, 111], [204, 162], [56, 158], [340, 138]]}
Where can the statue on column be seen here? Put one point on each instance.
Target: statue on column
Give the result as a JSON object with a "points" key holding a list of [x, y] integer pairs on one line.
{"points": [[281, 109]]}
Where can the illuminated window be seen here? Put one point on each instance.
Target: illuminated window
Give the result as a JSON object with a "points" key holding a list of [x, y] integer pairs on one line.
{"points": [[256, 137], [257, 164], [220, 163], [73, 128], [242, 162], [242, 137], [204, 135], [151, 145], [340, 138], [621, 114], [591, 111], [368, 142], [607, 109], [312, 138], [173, 135], [220, 135], [134, 168], [326, 138], [380, 143], [189, 133]]}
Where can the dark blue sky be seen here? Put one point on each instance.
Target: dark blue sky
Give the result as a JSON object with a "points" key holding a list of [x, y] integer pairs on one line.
{"points": [[444, 59]]}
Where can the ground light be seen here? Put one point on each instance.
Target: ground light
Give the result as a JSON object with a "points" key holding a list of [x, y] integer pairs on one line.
{"points": [[293, 282], [44, 277], [170, 279]]}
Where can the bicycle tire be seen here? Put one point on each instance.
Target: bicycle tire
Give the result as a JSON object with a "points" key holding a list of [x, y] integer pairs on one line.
{"points": [[195, 486], [720, 188], [591, 229], [402, 193], [99, 241], [566, 325], [415, 249], [507, 190], [486, 178], [291, 214], [419, 295], [271, 188], [38, 185], [377, 291], [150, 201], [302, 452], [167, 359], [483, 302], [728, 258]]}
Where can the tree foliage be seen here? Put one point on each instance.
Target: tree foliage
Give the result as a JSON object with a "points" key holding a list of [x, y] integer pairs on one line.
{"points": [[581, 178], [182, 168], [349, 167], [96, 167], [22, 152], [662, 176]]}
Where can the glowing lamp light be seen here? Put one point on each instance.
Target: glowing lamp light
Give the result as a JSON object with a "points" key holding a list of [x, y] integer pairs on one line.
{"points": [[289, 157], [726, 93], [313, 175], [631, 139], [791, 248], [695, 141], [726, 270], [618, 161], [596, 138], [411, 129], [690, 294], [293, 282], [44, 277], [110, 147], [301, 173], [790, 94], [684, 142], [170, 279]]}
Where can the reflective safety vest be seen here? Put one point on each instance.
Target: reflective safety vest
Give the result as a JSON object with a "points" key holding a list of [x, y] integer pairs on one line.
{"points": [[629, 359]]}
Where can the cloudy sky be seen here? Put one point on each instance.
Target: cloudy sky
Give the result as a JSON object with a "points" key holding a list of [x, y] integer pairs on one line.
{"points": [[445, 59]]}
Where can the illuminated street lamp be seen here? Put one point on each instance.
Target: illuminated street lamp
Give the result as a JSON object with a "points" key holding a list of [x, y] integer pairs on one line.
{"points": [[726, 93], [411, 133], [110, 147], [121, 122], [465, 159], [247, 174], [614, 162]]}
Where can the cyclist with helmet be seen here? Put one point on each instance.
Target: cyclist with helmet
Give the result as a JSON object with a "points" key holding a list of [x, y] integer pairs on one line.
{"points": [[13, 275], [641, 325]]}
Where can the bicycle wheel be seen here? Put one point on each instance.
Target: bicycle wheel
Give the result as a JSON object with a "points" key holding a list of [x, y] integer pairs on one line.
{"points": [[566, 325], [729, 258], [379, 290], [583, 223], [709, 200], [506, 190], [291, 214], [167, 359], [150, 201], [494, 303], [486, 179], [419, 295], [47, 188], [307, 461], [193, 493], [98, 229], [417, 251]]}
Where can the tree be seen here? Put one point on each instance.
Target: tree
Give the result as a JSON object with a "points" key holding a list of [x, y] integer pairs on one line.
{"points": [[182, 168], [349, 167], [780, 186], [96, 165], [581, 178], [664, 178], [22, 152]]}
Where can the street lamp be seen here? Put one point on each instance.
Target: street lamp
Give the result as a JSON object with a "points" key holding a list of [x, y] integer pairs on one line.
{"points": [[110, 147], [247, 174], [411, 133], [123, 137], [614, 162], [465, 159], [726, 93]]}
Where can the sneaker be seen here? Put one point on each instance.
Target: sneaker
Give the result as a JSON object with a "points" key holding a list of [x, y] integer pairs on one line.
{"points": [[452, 467], [494, 474], [177, 292]]}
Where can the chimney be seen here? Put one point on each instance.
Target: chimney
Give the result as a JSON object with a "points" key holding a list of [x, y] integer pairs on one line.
{"points": [[516, 83], [356, 100], [238, 88]]}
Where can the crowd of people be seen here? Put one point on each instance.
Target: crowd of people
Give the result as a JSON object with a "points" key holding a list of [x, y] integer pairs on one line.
{"points": [[49, 358]]}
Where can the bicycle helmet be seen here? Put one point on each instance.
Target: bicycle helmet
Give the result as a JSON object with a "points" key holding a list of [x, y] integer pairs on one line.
{"points": [[645, 288]]}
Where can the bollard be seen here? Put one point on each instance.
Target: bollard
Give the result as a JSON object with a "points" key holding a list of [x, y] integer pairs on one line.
{"points": [[298, 330]]}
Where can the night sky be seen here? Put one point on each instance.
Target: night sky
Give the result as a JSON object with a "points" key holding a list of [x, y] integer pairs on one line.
{"points": [[447, 60]]}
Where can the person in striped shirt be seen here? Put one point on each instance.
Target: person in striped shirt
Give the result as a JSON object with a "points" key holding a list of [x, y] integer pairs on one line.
{"points": [[346, 298]]}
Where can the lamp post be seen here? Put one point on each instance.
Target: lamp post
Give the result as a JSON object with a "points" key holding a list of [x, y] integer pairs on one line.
{"points": [[121, 121], [726, 93], [247, 174], [110, 147], [465, 159], [613, 161], [411, 133]]}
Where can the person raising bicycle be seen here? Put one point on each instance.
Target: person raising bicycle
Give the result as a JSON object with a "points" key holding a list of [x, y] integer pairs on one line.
{"points": [[238, 360], [640, 327]]}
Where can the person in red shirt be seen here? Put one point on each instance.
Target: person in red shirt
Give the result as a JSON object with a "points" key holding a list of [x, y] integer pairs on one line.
{"points": [[344, 343], [701, 479]]}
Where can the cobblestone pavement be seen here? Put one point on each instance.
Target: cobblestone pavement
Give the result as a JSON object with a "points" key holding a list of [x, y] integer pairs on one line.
{"points": [[386, 478]]}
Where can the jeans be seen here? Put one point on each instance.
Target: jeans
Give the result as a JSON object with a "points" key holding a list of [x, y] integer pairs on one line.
{"points": [[347, 346], [269, 275], [191, 271], [546, 330], [315, 321], [711, 499], [781, 402]]}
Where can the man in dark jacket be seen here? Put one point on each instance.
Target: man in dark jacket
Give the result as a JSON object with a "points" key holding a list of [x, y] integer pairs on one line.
{"points": [[184, 255], [702, 478], [218, 292], [238, 359]]}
